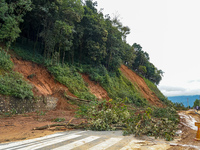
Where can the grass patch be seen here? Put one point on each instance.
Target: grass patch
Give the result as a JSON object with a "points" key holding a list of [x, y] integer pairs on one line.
{"points": [[5, 63], [13, 84], [73, 80], [155, 89], [115, 84]]}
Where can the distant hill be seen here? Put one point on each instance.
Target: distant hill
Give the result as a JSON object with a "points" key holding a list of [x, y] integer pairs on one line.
{"points": [[186, 100]]}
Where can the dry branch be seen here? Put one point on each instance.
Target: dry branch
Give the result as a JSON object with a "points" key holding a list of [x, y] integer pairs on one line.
{"points": [[49, 126], [76, 99], [66, 125]]}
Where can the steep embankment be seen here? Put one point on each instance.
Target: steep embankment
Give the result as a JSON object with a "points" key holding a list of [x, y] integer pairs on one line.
{"points": [[141, 86], [43, 82], [95, 88]]}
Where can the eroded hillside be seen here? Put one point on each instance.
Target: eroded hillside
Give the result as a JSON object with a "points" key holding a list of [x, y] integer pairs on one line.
{"points": [[141, 86], [44, 83]]}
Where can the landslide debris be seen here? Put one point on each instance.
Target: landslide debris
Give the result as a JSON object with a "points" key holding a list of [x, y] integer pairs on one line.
{"points": [[141, 86]]}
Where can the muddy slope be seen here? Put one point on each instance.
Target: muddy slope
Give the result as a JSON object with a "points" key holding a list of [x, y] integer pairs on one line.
{"points": [[43, 82], [141, 86], [95, 88]]}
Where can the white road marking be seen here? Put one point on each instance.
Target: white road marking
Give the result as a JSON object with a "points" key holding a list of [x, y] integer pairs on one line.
{"points": [[77, 143], [26, 143], [47, 143], [131, 145], [106, 144]]}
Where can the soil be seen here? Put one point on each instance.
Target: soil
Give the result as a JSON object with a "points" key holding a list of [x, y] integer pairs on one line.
{"points": [[20, 127], [187, 141], [95, 88], [141, 86]]}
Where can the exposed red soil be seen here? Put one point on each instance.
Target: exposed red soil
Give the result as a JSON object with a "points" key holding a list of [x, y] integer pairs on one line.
{"points": [[20, 127], [95, 88], [43, 82], [141, 85]]}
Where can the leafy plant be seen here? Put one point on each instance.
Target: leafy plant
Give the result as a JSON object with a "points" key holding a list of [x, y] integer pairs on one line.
{"points": [[146, 124], [115, 84], [72, 79], [169, 113], [5, 62], [13, 84], [105, 114], [180, 106]]}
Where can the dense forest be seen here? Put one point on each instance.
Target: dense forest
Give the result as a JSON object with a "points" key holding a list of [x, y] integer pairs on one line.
{"points": [[73, 32]]}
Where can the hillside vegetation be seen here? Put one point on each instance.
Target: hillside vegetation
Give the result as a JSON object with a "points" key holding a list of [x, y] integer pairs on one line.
{"points": [[71, 38]]}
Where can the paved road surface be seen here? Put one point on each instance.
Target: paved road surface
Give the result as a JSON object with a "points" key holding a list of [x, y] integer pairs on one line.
{"points": [[82, 140]]}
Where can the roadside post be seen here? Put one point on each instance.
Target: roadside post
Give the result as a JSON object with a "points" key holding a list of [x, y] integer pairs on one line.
{"points": [[198, 131]]}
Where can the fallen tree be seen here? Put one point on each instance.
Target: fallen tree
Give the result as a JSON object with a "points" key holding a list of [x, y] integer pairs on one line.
{"points": [[76, 99], [67, 125]]}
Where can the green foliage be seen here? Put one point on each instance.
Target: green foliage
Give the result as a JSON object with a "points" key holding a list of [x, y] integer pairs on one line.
{"points": [[26, 52], [13, 84], [59, 120], [155, 89], [104, 115], [179, 106], [10, 18], [143, 66], [115, 84], [5, 62], [40, 113], [196, 103], [10, 113], [142, 69], [73, 80], [169, 113], [146, 124]]}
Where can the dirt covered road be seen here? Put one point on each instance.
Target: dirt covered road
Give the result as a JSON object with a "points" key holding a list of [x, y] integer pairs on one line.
{"points": [[20, 127]]}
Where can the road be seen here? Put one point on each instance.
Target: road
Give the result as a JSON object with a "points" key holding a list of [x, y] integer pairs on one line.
{"points": [[85, 140]]}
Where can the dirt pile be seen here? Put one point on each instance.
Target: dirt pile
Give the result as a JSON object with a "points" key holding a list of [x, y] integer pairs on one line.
{"points": [[95, 88], [141, 86]]}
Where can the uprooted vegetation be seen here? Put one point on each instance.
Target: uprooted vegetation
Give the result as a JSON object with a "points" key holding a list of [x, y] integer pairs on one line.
{"points": [[127, 110], [115, 114]]}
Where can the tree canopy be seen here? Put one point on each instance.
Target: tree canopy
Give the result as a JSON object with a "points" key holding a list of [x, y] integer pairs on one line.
{"points": [[72, 31]]}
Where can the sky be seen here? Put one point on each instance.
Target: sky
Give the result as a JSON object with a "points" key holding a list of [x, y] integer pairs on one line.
{"points": [[169, 31]]}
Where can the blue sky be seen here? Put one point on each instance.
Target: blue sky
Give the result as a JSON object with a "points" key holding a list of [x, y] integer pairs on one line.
{"points": [[169, 30]]}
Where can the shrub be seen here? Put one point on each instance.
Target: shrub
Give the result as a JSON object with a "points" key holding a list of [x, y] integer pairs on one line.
{"points": [[104, 115], [115, 84], [72, 79], [180, 106], [169, 113], [5, 62], [146, 124], [13, 84]]}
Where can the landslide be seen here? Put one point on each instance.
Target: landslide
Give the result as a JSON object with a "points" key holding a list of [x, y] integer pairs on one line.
{"points": [[95, 88], [43, 82], [141, 86]]}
